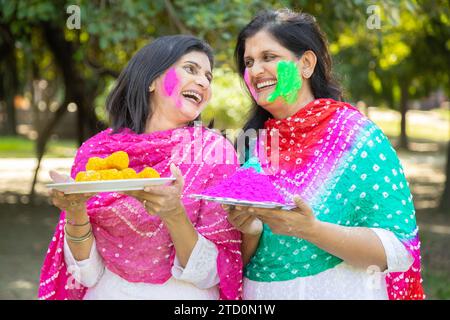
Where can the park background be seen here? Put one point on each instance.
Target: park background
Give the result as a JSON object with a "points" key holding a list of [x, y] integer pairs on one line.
{"points": [[59, 59]]}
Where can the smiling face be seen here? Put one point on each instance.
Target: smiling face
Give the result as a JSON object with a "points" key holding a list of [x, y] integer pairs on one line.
{"points": [[182, 92], [261, 56]]}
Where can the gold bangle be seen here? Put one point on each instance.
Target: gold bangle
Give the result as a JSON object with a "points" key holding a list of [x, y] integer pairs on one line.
{"points": [[78, 239]]}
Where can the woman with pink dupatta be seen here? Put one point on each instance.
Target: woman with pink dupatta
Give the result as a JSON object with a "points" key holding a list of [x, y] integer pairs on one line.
{"points": [[157, 243]]}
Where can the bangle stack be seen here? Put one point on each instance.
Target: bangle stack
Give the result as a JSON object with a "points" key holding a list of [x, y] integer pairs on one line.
{"points": [[78, 239]]}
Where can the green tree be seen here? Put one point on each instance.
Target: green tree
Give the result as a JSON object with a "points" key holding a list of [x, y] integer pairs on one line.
{"points": [[406, 58]]}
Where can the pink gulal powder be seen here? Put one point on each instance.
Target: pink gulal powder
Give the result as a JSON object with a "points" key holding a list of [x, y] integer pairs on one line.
{"points": [[249, 84], [171, 82], [247, 184]]}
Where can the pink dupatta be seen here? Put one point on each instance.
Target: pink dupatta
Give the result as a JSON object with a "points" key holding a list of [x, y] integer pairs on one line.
{"points": [[134, 244]]}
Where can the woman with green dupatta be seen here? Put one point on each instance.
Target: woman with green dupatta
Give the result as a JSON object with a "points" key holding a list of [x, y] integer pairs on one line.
{"points": [[353, 233]]}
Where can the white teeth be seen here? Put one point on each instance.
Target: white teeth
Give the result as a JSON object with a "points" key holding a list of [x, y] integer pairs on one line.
{"points": [[265, 84], [198, 97]]}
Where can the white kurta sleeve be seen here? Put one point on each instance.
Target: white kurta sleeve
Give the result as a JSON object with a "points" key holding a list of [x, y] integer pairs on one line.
{"points": [[88, 271], [201, 268], [398, 257]]}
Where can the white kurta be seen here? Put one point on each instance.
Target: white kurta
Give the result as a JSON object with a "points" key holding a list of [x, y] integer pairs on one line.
{"points": [[197, 281], [340, 282]]}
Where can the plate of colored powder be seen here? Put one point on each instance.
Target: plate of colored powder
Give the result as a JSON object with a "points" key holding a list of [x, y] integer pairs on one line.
{"points": [[245, 187], [237, 202]]}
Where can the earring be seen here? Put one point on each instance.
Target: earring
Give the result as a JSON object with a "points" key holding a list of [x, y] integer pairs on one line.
{"points": [[306, 75]]}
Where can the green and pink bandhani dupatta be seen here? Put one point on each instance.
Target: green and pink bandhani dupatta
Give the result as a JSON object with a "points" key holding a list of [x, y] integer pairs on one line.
{"points": [[345, 168]]}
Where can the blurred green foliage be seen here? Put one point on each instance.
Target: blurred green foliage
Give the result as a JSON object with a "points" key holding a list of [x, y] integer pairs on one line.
{"points": [[230, 103], [410, 49]]}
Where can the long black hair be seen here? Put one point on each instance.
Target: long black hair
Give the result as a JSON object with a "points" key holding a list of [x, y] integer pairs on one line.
{"points": [[128, 104], [298, 32]]}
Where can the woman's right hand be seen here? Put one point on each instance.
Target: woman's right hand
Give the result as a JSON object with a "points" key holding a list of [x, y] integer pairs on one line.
{"points": [[73, 204], [243, 221]]}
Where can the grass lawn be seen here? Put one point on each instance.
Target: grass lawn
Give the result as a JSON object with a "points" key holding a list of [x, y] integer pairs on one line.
{"points": [[392, 129], [443, 113], [433, 126], [436, 285], [19, 147]]}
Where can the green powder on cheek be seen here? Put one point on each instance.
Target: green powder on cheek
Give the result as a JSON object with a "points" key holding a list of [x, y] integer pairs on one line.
{"points": [[288, 83]]}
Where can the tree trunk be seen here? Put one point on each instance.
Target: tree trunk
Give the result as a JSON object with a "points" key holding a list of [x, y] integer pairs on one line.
{"points": [[41, 143], [403, 139], [10, 92], [10, 80], [76, 91], [445, 199]]}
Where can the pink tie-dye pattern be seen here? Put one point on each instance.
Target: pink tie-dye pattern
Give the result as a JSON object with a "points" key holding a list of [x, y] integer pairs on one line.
{"points": [[407, 285], [328, 159], [129, 240], [249, 85]]}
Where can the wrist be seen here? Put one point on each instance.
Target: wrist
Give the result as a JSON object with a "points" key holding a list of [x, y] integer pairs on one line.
{"points": [[177, 216], [78, 213], [77, 222], [313, 235], [255, 229], [251, 236]]}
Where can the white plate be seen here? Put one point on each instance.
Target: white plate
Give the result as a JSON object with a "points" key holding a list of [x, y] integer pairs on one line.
{"points": [[237, 202], [107, 185]]}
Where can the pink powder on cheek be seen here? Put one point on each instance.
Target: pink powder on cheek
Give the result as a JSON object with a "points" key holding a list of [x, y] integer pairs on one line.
{"points": [[171, 81], [249, 85]]}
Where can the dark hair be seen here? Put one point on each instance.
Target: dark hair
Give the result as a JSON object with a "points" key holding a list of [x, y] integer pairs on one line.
{"points": [[298, 32], [128, 104]]}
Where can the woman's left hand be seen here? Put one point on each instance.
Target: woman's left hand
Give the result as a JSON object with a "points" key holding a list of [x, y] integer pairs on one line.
{"points": [[299, 222], [164, 201]]}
